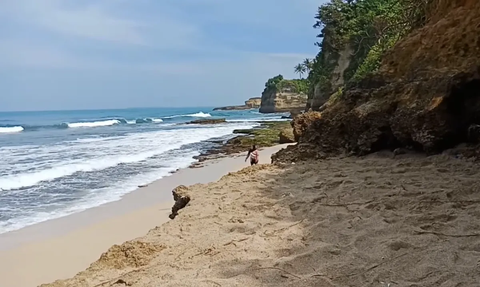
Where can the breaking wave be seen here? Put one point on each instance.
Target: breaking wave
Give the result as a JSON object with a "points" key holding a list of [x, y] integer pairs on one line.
{"points": [[16, 129], [93, 124]]}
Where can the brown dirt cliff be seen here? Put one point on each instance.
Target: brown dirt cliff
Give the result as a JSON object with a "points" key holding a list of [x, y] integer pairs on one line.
{"points": [[425, 95]]}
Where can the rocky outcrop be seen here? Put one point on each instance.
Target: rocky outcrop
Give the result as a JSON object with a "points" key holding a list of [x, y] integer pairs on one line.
{"points": [[207, 121], [341, 61], [252, 103], [302, 122], [425, 96], [282, 100], [286, 136], [181, 198]]}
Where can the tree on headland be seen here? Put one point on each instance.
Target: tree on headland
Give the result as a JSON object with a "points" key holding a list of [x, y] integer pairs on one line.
{"points": [[273, 82], [307, 64], [300, 69], [367, 28], [294, 85]]}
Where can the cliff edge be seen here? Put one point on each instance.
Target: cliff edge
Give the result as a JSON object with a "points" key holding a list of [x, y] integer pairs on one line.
{"points": [[425, 96], [252, 103], [282, 95]]}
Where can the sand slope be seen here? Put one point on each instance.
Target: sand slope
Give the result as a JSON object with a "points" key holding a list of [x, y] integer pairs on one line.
{"points": [[412, 221]]}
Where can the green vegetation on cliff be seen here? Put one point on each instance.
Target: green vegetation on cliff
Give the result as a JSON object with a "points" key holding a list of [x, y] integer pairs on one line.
{"points": [[281, 84], [365, 29], [268, 134]]}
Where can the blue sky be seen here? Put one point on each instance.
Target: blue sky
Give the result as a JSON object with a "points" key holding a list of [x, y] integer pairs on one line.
{"points": [[87, 54]]}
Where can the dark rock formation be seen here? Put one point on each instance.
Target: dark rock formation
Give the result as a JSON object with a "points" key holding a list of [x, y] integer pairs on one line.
{"points": [[232, 108], [252, 103], [286, 136], [207, 121], [280, 101], [293, 114], [425, 96], [181, 198]]}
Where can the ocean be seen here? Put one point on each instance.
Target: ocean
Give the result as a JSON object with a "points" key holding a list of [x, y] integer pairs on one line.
{"points": [[57, 163]]}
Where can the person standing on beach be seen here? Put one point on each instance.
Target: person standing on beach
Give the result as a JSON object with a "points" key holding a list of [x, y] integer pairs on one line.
{"points": [[253, 154]]}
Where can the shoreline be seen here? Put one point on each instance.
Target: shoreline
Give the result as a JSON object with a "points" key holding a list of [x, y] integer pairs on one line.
{"points": [[342, 221], [28, 253], [220, 149]]}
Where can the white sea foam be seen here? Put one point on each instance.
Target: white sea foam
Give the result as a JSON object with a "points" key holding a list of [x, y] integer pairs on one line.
{"points": [[157, 120], [99, 196], [4, 130], [28, 167], [195, 115], [93, 124], [200, 115], [35, 166]]}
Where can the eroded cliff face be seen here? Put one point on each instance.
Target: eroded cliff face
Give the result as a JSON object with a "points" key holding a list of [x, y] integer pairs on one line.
{"points": [[341, 61], [253, 103], [279, 101], [425, 96]]}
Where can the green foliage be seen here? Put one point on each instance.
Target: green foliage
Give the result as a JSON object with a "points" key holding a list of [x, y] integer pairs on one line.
{"points": [[368, 27], [300, 69], [265, 135], [294, 86], [372, 61], [272, 82]]}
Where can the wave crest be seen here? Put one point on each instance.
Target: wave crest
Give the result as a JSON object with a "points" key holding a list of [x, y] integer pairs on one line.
{"points": [[93, 124], [200, 115], [196, 115], [15, 129]]}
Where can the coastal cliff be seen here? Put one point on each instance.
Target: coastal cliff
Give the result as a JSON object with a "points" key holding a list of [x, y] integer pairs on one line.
{"points": [[252, 103], [338, 61], [424, 95], [282, 95]]}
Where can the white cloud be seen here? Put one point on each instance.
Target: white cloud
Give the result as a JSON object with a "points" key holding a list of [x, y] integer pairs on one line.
{"points": [[95, 21], [101, 53]]}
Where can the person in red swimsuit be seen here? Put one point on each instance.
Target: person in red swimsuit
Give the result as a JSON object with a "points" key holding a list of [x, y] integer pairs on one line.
{"points": [[253, 154]]}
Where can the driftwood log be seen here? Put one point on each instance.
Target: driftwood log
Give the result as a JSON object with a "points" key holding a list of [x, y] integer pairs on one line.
{"points": [[181, 198]]}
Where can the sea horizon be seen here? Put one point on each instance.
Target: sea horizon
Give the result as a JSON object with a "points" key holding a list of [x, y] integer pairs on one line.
{"points": [[211, 107]]}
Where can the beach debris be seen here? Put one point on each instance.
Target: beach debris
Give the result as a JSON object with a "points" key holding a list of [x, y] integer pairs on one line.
{"points": [[181, 198], [142, 185]]}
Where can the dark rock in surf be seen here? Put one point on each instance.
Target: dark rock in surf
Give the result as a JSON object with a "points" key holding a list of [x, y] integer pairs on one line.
{"points": [[207, 121]]}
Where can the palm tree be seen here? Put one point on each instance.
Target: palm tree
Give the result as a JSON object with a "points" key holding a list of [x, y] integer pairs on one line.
{"points": [[300, 69], [307, 63]]}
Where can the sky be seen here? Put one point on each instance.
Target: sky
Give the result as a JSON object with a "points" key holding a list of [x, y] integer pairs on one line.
{"points": [[96, 54]]}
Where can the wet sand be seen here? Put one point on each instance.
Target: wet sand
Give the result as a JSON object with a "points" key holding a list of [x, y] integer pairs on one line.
{"points": [[62, 247]]}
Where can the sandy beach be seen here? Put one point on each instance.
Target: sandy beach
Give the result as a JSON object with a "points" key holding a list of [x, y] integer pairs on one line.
{"points": [[371, 221], [61, 248]]}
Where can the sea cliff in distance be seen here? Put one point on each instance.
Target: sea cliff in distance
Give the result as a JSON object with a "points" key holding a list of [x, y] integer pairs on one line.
{"points": [[252, 103]]}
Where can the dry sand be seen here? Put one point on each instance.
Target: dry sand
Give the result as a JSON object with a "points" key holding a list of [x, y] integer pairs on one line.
{"points": [[61, 248], [374, 221]]}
